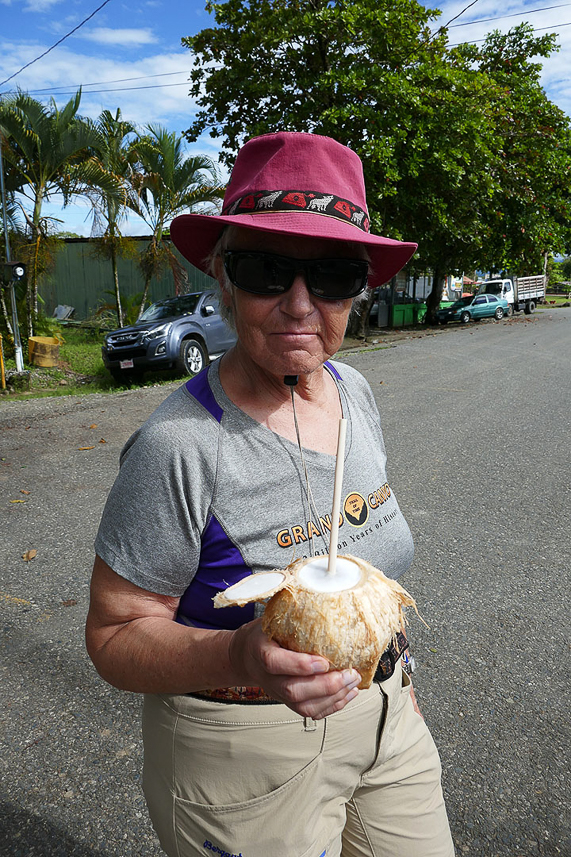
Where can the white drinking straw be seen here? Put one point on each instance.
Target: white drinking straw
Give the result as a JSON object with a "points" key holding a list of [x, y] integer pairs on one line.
{"points": [[337, 496]]}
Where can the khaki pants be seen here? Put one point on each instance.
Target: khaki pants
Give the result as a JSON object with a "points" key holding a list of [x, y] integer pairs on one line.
{"points": [[260, 781]]}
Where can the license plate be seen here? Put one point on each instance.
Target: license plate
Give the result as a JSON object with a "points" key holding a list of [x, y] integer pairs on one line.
{"points": [[126, 364]]}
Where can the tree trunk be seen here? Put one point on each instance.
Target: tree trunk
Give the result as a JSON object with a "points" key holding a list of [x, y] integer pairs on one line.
{"points": [[358, 320], [145, 296], [116, 285], [6, 315], [32, 285], [434, 298]]}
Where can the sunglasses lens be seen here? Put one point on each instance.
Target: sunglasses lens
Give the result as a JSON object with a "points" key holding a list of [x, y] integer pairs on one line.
{"points": [[337, 279], [260, 273], [268, 274]]}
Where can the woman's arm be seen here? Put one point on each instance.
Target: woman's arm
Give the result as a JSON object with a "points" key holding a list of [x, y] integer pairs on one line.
{"points": [[136, 645]]}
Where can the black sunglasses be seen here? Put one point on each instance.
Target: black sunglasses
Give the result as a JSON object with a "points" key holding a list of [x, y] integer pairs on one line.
{"points": [[268, 274]]}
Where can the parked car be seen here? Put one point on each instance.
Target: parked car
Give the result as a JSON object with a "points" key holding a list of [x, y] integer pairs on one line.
{"points": [[182, 333], [473, 307]]}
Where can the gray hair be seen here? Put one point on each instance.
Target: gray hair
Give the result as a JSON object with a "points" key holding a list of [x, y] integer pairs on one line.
{"points": [[223, 284]]}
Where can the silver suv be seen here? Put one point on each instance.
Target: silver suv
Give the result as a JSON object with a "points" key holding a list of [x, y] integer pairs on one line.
{"points": [[182, 333]]}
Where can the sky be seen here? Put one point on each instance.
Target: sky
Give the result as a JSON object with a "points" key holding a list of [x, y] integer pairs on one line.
{"points": [[129, 55]]}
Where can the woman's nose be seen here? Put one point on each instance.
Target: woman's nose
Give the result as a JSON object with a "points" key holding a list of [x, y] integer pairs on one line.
{"points": [[297, 300]]}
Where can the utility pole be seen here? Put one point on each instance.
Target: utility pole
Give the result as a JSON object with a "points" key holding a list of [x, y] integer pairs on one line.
{"points": [[16, 272]]}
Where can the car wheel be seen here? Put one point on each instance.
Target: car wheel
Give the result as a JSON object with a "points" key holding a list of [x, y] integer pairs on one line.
{"points": [[499, 313], [529, 308], [510, 311], [465, 317], [193, 357]]}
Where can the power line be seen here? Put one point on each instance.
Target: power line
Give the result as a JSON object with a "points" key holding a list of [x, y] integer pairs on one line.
{"points": [[67, 35], [118, 80], [536, 30], [445, 26], [515, 15], [128, 88], [469, 6]]}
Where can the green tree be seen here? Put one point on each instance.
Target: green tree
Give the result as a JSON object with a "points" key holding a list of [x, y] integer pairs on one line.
{"points": [[114, 151], [52, 152], [566, 268], [531, 212], [168, 183], [424, 119]]}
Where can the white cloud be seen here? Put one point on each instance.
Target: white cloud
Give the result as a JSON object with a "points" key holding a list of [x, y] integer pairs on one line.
{"points": [[110, 36], [39, 5], [141, 98]]}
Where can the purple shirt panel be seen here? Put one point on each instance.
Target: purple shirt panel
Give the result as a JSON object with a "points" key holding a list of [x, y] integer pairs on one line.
{"points": [[221, 565], [333, 370], [200, 389]]}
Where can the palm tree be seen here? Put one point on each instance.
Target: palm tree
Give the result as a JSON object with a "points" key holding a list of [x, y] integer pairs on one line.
{"points": [[108, 210], [168, 184], [10, 225], [52, 151]]}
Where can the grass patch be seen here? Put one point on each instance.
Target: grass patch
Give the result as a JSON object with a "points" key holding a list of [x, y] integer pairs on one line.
{"points": [[80, 369]]}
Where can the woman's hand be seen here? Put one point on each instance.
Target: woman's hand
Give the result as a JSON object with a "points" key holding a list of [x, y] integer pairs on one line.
{"points": [[303, 682]]}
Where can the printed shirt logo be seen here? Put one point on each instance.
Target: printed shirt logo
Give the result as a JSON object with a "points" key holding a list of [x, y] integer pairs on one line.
{"points": [[356, 509]]}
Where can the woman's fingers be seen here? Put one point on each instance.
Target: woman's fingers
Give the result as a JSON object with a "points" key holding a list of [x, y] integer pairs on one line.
{"points": [[279, 661], [320, 696], [305, 683]]}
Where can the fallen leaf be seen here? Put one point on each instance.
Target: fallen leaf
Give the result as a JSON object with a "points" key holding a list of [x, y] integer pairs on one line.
{"points": [[17, 501], [71, 602], [81, 448], [29, 555], [102, 440], [93, 425], [22, 491]]}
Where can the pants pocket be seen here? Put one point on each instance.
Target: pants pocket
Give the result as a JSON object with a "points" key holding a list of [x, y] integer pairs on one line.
{"points": [[230, 779], [280, 822]]}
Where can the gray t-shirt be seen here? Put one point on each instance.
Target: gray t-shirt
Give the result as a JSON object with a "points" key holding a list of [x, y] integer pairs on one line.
{"points": [[206, 495]]}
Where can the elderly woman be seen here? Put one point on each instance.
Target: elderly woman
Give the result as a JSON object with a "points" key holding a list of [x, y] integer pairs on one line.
{"points": [[252, 749]]}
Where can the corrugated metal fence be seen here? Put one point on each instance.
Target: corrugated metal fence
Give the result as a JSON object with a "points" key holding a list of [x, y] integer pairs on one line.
{"points": [[82, 280]]}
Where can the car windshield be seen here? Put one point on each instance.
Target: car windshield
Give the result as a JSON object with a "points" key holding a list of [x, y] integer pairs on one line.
{"points": [[462, 302], [173, 306]]}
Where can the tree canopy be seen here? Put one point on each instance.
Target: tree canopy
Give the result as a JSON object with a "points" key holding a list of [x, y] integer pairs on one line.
{"points": [[442, 132], [49, 151], [167, 183]]}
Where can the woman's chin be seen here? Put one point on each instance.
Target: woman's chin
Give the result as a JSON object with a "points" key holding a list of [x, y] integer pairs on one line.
{"points": [[295, 363]]}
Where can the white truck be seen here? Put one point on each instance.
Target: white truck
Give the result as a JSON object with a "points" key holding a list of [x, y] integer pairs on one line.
{"points": [[523, 293]]}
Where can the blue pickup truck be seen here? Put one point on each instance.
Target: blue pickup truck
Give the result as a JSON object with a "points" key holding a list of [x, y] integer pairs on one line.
{"points": [[183, 333]]}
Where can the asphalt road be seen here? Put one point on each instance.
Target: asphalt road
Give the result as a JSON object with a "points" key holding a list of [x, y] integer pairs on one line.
{"points": [[476, 422]]}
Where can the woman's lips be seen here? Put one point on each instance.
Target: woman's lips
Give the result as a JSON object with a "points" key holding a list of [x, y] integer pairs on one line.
{"points": [[295, 333]]}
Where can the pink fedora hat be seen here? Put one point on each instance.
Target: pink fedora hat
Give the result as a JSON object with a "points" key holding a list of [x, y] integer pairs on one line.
{"points": [[294, 184]]}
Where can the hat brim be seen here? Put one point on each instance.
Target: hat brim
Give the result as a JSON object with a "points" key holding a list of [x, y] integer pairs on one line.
{"points": [[195, 236]]}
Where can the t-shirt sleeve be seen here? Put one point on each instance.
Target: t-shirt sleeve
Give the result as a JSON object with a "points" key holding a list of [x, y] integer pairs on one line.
{"points": [[151, 526]]}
